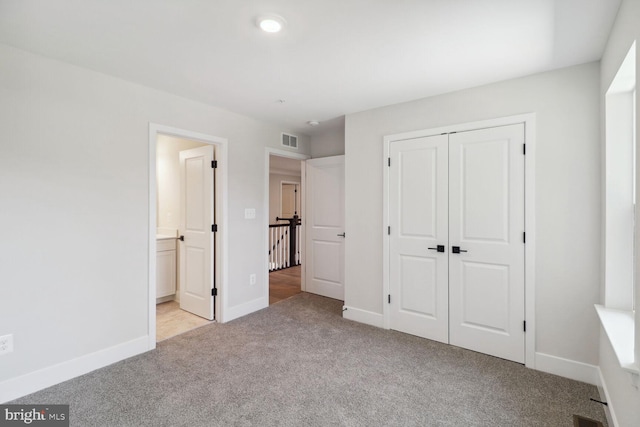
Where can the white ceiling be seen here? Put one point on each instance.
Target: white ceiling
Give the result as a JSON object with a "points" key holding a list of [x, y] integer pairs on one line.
{"points": [[334, 57]]}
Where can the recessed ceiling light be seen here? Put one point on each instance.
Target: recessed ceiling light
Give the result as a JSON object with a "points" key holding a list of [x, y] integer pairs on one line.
{"points": [[271, 23]]}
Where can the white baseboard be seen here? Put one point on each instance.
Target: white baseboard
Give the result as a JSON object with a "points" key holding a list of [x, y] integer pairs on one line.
{"points": [[248, 307], [30, 383], [568, 368], [165, 299], [363, 316], [604, 396]]}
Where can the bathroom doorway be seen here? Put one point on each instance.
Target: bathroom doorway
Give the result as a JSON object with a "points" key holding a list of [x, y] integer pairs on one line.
{"points": [[173, 155], [186, 207]]}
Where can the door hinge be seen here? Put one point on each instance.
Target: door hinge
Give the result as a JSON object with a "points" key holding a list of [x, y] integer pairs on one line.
{"points": [[524, 237], [389, 230], [524, 149], [214, 164], [389, 299], [214, 228], [524, 325], [389, 161], [214, 292]]}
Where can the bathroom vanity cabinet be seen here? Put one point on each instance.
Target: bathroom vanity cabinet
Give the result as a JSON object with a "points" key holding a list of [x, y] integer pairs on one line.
{"points": [[165, 267]]}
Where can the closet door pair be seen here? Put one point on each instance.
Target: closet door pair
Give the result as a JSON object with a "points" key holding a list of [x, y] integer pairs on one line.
{"points": [[456, 209]]}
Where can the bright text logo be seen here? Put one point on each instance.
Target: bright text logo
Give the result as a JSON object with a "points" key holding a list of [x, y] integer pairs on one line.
{"points": [[34, 415]]}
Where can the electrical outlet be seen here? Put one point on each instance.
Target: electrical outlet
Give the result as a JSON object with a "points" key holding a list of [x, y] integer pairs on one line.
{"points": [[252, 279], [6, 344]]}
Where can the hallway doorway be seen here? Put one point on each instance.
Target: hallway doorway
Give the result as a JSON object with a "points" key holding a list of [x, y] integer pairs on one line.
{"points": [[285, 219]]}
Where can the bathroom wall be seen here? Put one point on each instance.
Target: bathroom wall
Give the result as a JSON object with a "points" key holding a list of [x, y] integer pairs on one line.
{"points": [[168, 178]]}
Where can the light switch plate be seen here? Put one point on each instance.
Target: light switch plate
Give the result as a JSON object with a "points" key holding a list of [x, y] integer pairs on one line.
{"points": [[6, 344], [249, 213]]}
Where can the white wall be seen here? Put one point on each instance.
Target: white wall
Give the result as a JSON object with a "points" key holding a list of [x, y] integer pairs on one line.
{"points": [[74, 176], [566, 103], [168, 178], [274, 195], [329, 143], [624, 397]]}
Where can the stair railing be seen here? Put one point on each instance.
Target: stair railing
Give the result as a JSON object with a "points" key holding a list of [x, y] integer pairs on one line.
{"points": [[284, 243]]}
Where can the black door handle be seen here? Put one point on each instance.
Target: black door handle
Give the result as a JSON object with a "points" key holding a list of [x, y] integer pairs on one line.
{"points": [[457, 250], [342, 235], [439, 248], [181, 238]]}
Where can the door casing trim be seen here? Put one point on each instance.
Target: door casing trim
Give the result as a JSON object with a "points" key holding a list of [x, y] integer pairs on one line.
{"points": [[529, 121]]}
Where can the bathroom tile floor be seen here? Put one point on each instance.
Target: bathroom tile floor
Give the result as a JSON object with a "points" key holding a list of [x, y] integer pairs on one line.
{"points": [[171, 321]]}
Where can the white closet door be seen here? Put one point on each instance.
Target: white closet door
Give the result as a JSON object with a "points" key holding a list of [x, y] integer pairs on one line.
{"points": [[418, 216], [486, 221]]}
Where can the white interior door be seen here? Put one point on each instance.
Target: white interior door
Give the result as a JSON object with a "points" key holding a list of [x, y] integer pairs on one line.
{"points": [[418, 211], [289, 199], [197, 217], [486, 221], [324, 227]]}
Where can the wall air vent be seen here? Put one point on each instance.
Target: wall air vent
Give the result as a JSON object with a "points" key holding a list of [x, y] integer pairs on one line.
{"points": [[290, 141], [580, 421]]}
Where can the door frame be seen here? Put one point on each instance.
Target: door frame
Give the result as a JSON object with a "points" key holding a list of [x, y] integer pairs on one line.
{"points": [[529, 121], [268, 151], [220, 208]]}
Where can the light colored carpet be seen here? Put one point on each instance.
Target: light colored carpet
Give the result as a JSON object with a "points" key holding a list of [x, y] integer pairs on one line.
{"points": [[298, 363]]}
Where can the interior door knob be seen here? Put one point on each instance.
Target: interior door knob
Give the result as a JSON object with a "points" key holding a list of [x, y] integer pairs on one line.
{"points": [[457, 250], [342, 235], [439, 248]]}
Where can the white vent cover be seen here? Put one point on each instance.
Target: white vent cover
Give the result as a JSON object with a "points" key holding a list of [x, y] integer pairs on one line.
{"points": [[290, 141]]}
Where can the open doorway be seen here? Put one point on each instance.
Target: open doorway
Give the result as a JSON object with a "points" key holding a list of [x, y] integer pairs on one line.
{"points": [[186, 266], [285, 227]]}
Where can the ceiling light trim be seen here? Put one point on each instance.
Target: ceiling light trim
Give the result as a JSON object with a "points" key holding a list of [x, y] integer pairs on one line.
{"points": [[271, 23]]}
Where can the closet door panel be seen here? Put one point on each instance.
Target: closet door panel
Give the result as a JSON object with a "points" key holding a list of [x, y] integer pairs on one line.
{"points": [[418, 216], [486, 222]]}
